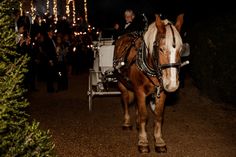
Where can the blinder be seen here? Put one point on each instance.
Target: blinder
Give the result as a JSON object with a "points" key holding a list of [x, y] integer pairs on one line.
{"points": [[157, 65]]}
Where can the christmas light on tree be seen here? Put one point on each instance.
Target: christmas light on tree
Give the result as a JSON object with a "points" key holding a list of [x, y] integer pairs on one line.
{"points": [[47, 4], [85, 11], [74, 17], [68, 8], [55, 9], [21, 9], [19, 136]]}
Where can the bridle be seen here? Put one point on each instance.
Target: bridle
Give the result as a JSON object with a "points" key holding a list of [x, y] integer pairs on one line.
{"points": [[156, 69], [156, 50]]}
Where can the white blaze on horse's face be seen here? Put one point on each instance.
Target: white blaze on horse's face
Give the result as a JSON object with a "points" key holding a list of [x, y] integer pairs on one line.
{"points": [[170, 50], [169, 44]]}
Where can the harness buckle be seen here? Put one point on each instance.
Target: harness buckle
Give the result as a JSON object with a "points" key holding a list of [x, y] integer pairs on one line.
{"points": [[158, 91]]}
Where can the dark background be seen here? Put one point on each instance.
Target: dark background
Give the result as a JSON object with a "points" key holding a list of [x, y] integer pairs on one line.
{"points": [[103, 13]]}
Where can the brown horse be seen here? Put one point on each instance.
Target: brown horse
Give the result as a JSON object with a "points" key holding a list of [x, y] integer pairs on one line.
{"points": [[147, 66]]}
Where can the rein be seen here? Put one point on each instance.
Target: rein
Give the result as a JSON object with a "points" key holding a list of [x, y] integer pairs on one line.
{"points": [[141, 62]]}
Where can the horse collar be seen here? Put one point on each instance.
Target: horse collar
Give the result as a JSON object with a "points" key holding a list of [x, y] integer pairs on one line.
{"points": [[142, 64], [141, 61]]}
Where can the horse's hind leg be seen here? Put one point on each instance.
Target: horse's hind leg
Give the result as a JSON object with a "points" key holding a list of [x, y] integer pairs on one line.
{"points": [[127, 98], [160, 146]]}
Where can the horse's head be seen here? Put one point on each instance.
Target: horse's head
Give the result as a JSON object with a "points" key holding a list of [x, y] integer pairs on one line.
{"points": [[165, 46]]}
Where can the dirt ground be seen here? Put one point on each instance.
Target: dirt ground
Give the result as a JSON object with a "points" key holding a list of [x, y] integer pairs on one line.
{"points": [[193, 125]]}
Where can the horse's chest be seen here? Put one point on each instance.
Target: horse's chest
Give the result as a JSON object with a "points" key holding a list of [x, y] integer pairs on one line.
{"points": [[133, 78]]}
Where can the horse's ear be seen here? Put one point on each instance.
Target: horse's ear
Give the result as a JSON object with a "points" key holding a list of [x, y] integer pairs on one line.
{"points": [[160, 25], [179, 22]]}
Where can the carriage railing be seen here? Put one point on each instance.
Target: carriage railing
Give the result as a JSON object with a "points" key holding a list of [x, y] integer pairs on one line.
{"points": [[101, 78]]}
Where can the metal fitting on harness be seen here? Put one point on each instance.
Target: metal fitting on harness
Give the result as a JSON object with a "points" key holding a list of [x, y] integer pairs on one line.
{"points": [[119, 65]]}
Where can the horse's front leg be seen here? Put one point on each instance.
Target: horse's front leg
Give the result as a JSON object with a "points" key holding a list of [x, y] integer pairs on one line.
{"points": [[127, 98], [143, 146], [160, 146]]}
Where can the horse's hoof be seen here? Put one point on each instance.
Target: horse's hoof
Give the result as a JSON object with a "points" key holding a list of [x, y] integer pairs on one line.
{"points": [[144, 149], [161, 149], [130, 127]]}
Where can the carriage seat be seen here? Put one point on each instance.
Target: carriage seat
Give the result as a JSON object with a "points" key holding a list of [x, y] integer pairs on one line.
{"points": [[106, 57]]}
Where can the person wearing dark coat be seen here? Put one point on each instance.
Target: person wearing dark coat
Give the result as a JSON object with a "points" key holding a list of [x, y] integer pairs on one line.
{"points": [[130, 24], [51, 58]]}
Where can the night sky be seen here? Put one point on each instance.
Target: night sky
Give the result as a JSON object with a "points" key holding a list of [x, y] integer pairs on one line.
{"points": [[104, 13]]}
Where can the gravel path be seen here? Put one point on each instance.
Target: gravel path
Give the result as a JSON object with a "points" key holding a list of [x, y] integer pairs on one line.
{"points": [[193, 126]]}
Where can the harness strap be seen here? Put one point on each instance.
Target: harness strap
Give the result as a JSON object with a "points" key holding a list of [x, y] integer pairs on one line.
{"points": [[142, 61], [123, 59], [158, 88]]}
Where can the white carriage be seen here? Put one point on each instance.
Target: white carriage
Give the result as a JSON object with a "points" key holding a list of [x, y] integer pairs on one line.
{"points": [[101, 78]]}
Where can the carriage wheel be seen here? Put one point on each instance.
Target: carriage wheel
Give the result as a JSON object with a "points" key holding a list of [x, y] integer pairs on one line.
{"points": [[90, 90]]}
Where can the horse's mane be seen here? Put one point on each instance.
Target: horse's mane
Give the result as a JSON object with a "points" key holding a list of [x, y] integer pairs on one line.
{"points": [[150, 35]]}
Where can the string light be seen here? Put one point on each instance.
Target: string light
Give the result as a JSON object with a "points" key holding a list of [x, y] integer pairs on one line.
{"points": [[85, 11], [47, 3], [33, 10], [74, 17], [21, 10], [55, 9], [68, 8]]}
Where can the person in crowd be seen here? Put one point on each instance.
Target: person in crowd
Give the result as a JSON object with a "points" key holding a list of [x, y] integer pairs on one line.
{"points": [[83, 25], [69, 54], [16, 16], [22, 39], [62, 79], [25, 47], [43, 63], [49, 48], [35, 28]]}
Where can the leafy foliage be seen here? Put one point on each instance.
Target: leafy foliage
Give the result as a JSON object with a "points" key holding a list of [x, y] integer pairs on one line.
{"points": [[19, 137]]}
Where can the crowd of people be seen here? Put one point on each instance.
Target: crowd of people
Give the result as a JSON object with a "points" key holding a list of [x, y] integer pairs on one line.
{"points": [[56, 49]]}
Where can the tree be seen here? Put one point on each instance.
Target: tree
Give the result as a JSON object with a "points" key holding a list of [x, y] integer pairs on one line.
{"points": [[18, 135], [213, 56]]}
